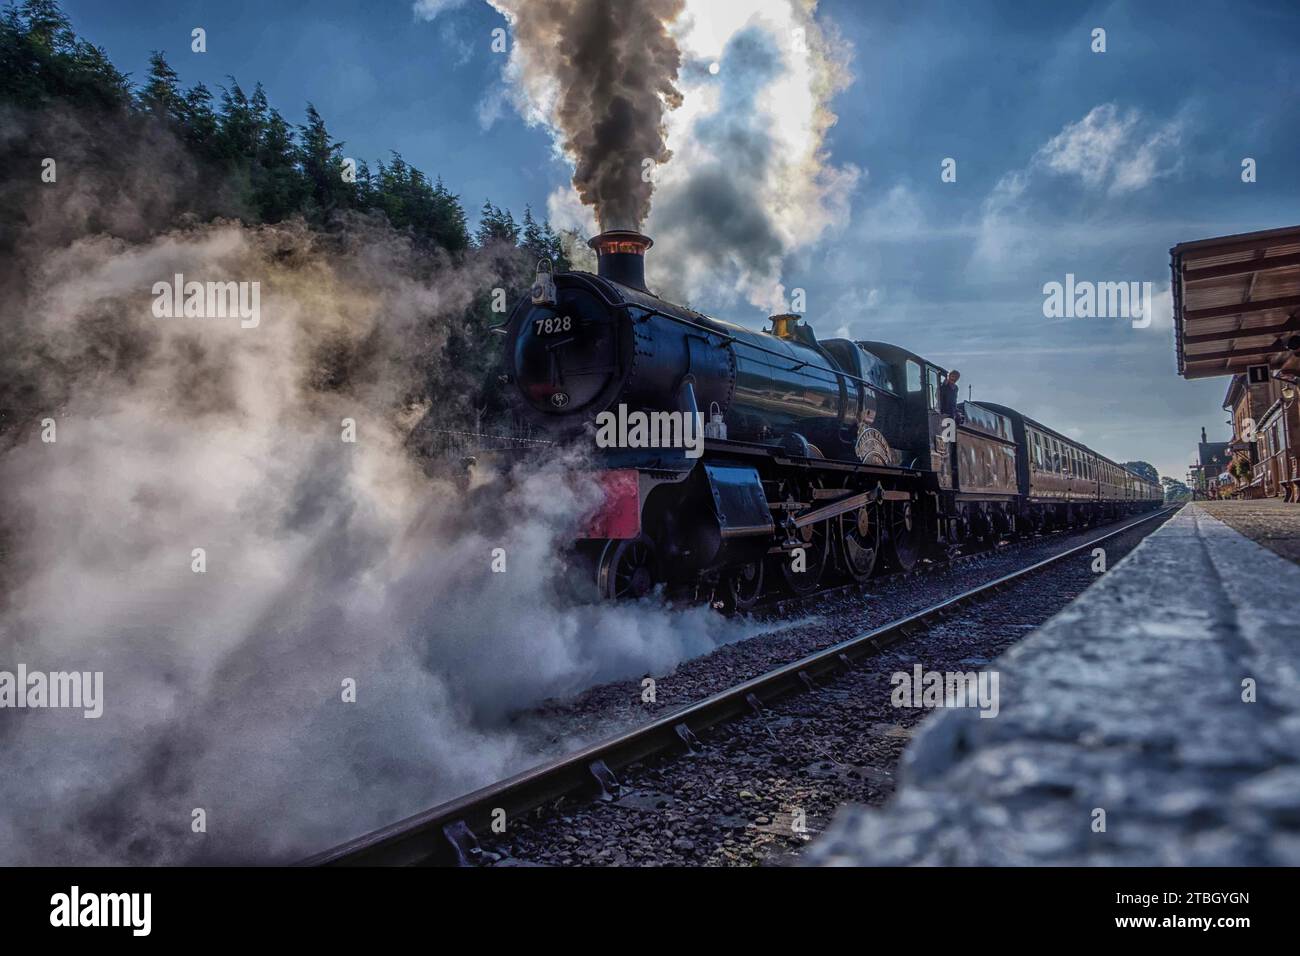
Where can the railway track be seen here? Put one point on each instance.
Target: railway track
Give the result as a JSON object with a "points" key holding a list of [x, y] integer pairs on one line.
{"points": [[445, 833], [780, 605]]}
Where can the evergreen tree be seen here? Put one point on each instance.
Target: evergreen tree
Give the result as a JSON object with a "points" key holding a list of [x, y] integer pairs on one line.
{"points": [[495, 226], [48, 27], [451, 228], [554, 246], [94, 79], [200, 121], [321, 160], [531, 239], [278, 187], [41, 59], [161, 95], [364, 188], [540, 241], [432, 214], [238, 124]]}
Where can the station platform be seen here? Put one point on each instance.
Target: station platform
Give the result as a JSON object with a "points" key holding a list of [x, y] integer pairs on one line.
{"points": [[1155, 721], [1268, 521]]}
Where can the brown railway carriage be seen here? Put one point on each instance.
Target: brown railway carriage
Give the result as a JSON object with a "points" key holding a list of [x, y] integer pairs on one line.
{"points": [[1008, 472], [984, 479], [1063, 482]]}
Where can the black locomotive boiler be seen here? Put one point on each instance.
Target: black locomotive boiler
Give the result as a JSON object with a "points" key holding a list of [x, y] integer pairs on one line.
{"points": [[820, 458]]}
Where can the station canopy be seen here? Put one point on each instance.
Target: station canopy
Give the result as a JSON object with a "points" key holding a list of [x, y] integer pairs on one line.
{"points": [[1236, 302]]}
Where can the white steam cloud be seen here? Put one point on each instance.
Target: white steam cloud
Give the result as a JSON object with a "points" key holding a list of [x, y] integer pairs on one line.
{"points": [[748, 180], [324, 560]]}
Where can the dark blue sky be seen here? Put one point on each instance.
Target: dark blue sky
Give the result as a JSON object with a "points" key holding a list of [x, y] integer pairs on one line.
{"points": [[383, 79], [1068, 161]]}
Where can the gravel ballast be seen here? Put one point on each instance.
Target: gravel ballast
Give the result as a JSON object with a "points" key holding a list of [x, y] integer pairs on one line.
{"points": [[764, 785]]}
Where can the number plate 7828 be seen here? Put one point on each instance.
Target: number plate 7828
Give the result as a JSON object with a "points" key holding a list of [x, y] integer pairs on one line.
{"points": [[552, 325]]}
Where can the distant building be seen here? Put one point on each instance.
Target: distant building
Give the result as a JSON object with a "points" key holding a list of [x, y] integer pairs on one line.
{"points": [[1213, 458]]}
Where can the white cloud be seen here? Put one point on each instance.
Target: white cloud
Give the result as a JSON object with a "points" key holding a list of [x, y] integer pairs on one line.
{"points": [[1107, 151], [1114, 150], [452, 38], [1162, 308], [429, 9], [491, 106]]}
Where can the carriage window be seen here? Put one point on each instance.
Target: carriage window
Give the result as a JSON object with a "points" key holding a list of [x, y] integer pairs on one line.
{"points": [[913, 376], [932, 388]]}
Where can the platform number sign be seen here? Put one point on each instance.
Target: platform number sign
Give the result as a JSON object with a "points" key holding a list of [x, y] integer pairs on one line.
{"points": [[1257, 374]]}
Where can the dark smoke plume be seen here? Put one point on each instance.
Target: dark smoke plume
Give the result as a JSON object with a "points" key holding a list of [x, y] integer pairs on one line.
{"points": [[608, 73]]}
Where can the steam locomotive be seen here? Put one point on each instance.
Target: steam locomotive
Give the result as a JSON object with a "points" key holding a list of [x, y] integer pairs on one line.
{"points": [[819, 458]]}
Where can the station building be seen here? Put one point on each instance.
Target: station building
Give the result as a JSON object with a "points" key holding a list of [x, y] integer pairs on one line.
{"points": [[1237, 315]]}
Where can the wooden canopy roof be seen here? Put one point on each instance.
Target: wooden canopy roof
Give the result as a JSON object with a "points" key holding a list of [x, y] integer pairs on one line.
{"points": [[1237, 302]]}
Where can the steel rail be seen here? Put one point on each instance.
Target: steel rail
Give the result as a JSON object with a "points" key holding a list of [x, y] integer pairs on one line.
{"points": [[444, 834]]}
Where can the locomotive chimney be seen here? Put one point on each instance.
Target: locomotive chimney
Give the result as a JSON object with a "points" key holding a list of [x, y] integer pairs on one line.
{"points": [[620, 254]]}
